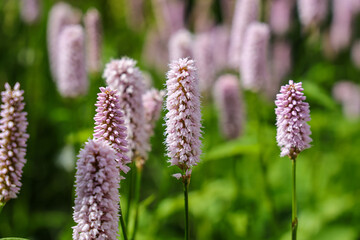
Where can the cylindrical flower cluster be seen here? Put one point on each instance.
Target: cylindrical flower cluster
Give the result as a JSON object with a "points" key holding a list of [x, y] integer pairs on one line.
{"points": [[341, 25], [203, 55], [72, 76], [348, 94], [60, 15], [280, 16], [93, 31], [97, 193], [152, 102], [220, 36], [246, 12], [254, 63], [109, 125], [13, 139], [183, 119], [312, 12], [228, 100], [292, 115], [30, 11], [126, 78], [181, 45]]}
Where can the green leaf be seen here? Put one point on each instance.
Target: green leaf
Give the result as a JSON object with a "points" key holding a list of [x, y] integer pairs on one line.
{"points": [[317, 94]]}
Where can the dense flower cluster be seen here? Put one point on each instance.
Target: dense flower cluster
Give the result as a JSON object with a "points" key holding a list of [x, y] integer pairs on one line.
{"points": [[152, 102], [109, 125], [93, 31], [292, 115], [13, 139], [126, 78], [97, 195], [72, 76], [183, 119], [254, 63], [60, 15], [246, 12], [228, 101]]}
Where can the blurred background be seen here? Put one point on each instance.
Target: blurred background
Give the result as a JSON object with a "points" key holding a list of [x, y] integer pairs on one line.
{"points": [[242, 188]]}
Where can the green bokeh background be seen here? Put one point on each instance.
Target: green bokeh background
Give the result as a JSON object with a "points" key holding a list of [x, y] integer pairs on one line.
{"points": [[240, 190]]}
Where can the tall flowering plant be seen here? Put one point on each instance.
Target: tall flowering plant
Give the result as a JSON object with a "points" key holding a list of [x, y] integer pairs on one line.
{"points": [[293, 131], [183, 122]]}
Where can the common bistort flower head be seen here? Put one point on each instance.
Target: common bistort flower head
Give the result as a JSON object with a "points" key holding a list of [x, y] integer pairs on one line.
{"points": [[292, 115], [126, 78], [93, 29], [183, 119], [97, 193], [110, 126], [13, 139]]}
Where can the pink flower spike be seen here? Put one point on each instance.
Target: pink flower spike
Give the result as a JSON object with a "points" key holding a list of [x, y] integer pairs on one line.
{"points": [[13, 139], [292, 115], [93, 29], [181, 45], [30, 11], [97, 193], [126, 78], [229, 103], [183, 119], [72, 76], [109, 125]]}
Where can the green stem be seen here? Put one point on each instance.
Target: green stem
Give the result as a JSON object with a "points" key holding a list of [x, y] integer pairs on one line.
{"points": [[2, 204], [131, 179], [137, 199], [186, 199], [294, 220], [123, 226]]}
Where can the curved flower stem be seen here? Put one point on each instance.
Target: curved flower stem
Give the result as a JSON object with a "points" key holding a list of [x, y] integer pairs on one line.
{"points": [[2, 204], [137, 198], [123, 226], [186, 199], [294, 220]]}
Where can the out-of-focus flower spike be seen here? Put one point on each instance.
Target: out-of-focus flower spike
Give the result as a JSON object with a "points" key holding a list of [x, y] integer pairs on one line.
{"points": [[30, 11], [124, 76], [13, 139], [312, 12], [348, 94], [152, 102], [72, 76], [292, 115], [280, 16], [93, 29], [246, 12], [60, 15], [183, 119], [254, 63], [97, 193], [181, 45], [228, 100]]}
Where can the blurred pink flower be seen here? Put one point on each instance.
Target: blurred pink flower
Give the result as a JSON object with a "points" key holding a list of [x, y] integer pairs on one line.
{"points": [[93, 29], [30, 11], [281, 16], [312, 12], [72, 76], [181, 45], [348, 94]]}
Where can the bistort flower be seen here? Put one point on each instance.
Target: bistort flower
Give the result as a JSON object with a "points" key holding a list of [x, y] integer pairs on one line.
{"points": [[152, 102], [292, 115], [183, 119], [110, 126], [126, 78], [97, 193], [93, 31], [72, 76], [13, 139]]}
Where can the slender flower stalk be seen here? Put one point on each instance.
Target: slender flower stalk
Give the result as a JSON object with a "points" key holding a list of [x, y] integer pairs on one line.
{"points": [[60, 15], [109, 125], [72, 76], [97, 192], [183, 122], [293, 131], [13, 139], [254, 63], [228, 101], [93, 29]]}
